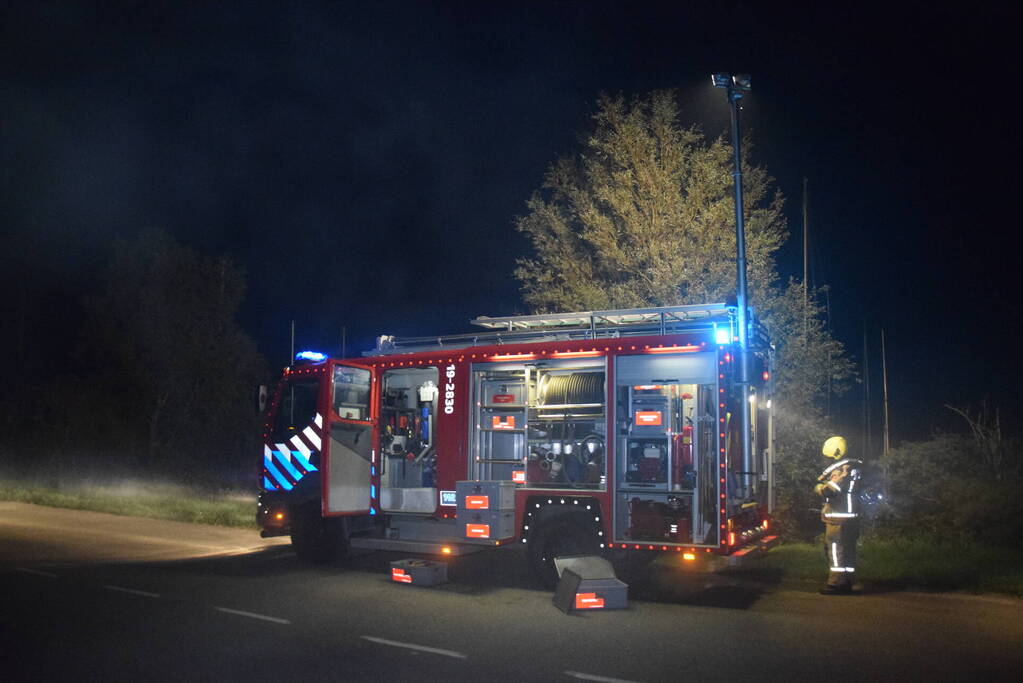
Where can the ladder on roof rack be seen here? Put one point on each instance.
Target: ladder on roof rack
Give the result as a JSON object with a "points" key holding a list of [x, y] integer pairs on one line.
{"points": [[566, 326], [615, 318]]}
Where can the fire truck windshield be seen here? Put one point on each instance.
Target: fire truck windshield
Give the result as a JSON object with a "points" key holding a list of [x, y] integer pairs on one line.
{"points": [[297, 408]]}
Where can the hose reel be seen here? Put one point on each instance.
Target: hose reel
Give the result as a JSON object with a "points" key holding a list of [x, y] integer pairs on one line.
{"points": [[579, 387]]}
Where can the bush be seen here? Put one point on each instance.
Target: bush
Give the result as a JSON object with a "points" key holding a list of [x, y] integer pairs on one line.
{"points": [[945, 488]]}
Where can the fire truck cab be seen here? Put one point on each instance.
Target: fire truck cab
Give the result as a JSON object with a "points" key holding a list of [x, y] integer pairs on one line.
{"points": [[599, 432]]}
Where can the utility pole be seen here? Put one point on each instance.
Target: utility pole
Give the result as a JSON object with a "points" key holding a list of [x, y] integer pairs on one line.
{"points": [[884, 382], [735, 86], [290, 361], [827, 323], [867, 436], [887, 442], [806, 258], [291, 358]]}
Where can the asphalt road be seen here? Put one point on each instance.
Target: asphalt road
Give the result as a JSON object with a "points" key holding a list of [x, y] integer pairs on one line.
{"points": [[87, 596]]}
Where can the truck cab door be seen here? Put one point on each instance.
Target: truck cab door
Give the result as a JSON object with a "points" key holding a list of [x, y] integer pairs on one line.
{"points": [[351, 448]]}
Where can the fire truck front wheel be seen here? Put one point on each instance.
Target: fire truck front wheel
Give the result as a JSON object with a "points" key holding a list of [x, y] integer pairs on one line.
{"points": [[315, 538], [558, 537]]}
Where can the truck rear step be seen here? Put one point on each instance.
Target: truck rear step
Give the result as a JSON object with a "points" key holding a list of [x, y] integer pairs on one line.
{"points": [[422, 547]]}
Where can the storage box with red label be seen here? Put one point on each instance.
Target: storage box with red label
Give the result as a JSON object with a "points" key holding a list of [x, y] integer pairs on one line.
{"points": [[484, 495], [419, 572], [649, 418], [487, 525], [502, 422], [588, 582], [650, 415]]}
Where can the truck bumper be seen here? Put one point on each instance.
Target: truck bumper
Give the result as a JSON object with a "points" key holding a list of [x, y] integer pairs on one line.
{"points": [[754, 550]]}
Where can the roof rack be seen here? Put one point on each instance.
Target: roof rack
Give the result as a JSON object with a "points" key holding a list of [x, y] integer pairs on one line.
{"points": [[614, 318], [567, 326]]}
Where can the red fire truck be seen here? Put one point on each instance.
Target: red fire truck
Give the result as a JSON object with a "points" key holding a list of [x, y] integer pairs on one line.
{"points": [[600, 432]]}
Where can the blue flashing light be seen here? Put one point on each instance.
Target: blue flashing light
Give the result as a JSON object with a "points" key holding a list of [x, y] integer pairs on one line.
{"points": [[312, 356], [373, 491], [722, 335], [372, 511]]}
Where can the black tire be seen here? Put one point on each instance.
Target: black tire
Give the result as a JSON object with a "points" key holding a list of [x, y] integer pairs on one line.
{"points": [[317, 539], [558, 537]]}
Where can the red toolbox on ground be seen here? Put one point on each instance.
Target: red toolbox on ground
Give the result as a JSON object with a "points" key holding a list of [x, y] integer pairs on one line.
{"points": [[419, 572]]}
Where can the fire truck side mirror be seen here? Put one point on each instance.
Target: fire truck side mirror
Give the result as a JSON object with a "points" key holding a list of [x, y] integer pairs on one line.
{"points": [[262, 392]]}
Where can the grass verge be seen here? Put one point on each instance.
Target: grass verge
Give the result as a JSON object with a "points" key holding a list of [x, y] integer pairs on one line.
{"points": [[140, 500], [891, 564]]}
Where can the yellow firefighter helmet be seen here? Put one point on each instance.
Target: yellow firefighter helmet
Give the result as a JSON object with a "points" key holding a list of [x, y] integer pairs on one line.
{"points": [[834, 447]]}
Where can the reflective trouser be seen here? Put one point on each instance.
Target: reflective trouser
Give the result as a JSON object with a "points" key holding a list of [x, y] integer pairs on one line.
{"points": [[840, 544]]}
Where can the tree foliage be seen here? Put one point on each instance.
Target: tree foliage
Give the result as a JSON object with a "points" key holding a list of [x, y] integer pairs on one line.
{"points": [[167, 352], [643, 215]]}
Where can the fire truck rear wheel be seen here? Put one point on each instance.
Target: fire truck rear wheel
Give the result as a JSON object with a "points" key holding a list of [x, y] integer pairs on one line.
{"points": [[317, 539], [566, 535]]}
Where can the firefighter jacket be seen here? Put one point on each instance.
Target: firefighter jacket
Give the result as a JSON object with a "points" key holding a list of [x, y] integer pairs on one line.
{"points": [[841, 498]]}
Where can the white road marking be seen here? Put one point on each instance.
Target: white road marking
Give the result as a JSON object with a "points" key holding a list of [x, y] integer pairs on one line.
{"points": [[252, 615], [592, 677], [37, 572], [420, 648], [133, 591]]}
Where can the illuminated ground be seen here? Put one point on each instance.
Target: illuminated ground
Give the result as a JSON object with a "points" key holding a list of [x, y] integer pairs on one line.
{"points": [[88, 596]]}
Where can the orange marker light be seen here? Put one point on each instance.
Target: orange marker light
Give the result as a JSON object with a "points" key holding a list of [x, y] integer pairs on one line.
{"points": [[575, 354], [513, 356], [688, 348], [689, 556]]}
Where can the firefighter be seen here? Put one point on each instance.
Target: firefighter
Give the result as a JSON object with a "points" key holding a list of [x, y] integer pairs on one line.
{"points": [[838, 485]]}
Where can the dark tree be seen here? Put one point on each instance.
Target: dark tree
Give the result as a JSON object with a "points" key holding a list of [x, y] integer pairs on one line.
{"points": [[169, 357]]}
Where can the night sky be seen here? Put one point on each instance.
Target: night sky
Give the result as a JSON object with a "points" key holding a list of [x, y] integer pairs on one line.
{"points": [[365, 161]]}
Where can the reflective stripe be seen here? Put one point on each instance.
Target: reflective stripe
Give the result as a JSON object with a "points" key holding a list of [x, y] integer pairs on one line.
{"points": [[286, 462], [841, 569], [268, 485], [276, 474], [283, 448], [841, 514], [299, 445], [848, 502], [827, 470], [306, 465], [834, 486], [313, 437], [318, 420], [834, 553]]}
